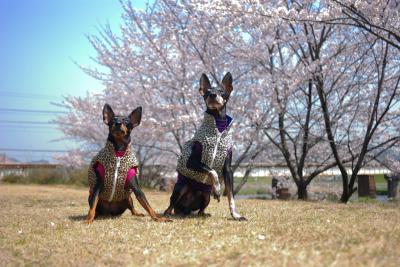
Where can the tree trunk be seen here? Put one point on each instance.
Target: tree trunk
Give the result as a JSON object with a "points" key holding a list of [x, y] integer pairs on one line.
{"points": [[347, 193], [345, 196], [242, 182], [302, 191], [345, 185]]}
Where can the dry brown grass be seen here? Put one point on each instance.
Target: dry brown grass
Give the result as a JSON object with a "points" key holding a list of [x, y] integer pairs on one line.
{"points": [[43, 225]]}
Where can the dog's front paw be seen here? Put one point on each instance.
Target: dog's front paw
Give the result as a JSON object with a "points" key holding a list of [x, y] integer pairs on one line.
{"points": [[238, 217], [203, 214], [162, 219], [213, 175], [168, 211], [88, 221], [90, 217], [241, 218], [139, 214]]}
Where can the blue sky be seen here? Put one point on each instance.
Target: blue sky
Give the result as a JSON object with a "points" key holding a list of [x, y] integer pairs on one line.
{"points": [[40, 39]]}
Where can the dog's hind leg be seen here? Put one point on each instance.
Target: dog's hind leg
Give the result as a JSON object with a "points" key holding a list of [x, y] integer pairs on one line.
{"points": [[134, 212], [205, 200], [177, 194], [184, 205]]}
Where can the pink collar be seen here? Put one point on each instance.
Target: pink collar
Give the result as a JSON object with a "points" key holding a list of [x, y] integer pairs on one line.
{"points": [[119, 154]]}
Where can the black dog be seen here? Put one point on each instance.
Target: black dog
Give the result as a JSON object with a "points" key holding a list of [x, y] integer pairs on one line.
{"points": [[113, 171], [207, 156]]}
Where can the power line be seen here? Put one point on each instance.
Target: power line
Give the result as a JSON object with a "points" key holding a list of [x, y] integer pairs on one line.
{"points": [[32, 111], [34, 122], [26, 155], [50, 127], [33, 150], [27, 122], [28, 95]]}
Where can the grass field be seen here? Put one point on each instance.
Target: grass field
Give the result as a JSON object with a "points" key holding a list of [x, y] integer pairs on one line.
{"points": [[43, 225]]}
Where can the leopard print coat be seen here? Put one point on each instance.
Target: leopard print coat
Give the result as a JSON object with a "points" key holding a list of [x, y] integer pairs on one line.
{"points": [[116, 170], [215, 149]]}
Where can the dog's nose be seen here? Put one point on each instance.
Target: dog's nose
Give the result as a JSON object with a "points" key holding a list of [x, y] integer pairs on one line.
{"points": [[213, 95]]}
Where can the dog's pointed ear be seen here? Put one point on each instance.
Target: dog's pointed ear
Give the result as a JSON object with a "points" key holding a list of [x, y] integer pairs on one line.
{"points": [[204, 84], [227, 83], [108, 114], [136, 116]]}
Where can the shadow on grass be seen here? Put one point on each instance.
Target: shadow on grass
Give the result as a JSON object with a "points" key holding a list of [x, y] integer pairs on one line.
{"points": [[196, 216], [188, 216], [78, 218], [82, 218]]}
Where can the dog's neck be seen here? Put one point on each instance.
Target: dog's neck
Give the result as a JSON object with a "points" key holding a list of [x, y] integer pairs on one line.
{"points": [[217, 114], [119, 145]]}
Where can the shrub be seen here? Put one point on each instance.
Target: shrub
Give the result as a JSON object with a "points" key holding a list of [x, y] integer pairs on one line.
{"points": [[61, 175]]}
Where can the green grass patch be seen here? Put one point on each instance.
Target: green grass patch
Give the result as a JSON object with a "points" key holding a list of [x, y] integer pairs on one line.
{"points": [[380, 179], [381, 189], [366, 200], [252, 191], [61, 175], [254, 185], [255, 179]]}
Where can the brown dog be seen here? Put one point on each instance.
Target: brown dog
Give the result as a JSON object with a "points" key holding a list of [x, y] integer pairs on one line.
{"points": [[113, 171]]}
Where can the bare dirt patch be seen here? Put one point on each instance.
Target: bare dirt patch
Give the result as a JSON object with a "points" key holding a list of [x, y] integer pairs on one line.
{"points": [[43, 225]]}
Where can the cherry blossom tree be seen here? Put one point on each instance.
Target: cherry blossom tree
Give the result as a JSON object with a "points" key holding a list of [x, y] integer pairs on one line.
{"points": [[372, 128], [379, 18], [293, 123], [360, 114], [156, 61], [341, 66]]}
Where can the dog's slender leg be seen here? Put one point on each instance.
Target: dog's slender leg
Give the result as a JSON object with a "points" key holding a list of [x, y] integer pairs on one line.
{"points": [[92, 210], [134, 185], [94, 198], [228, 180], [177, 194], [132, 208]]}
